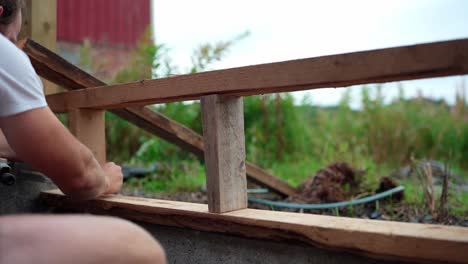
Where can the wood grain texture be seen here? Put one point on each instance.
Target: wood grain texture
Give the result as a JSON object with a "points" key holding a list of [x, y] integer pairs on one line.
{"points": [[378, 239], [375, 66], [40, 24], [223, 136], [88, 126], [54, 68]]}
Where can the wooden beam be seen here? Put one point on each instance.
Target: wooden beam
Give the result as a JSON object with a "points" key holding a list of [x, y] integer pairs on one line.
{"points": [[375, 66], [54, 68], [223, 135], [40, 24], [378, 239], [88, 126]]}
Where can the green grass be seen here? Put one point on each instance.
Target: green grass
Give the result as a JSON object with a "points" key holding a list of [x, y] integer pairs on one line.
{"points": [[458, 205], [171, 178], [294, 172], [189, 176]]}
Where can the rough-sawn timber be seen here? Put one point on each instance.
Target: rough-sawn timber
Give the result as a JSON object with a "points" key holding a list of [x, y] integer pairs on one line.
{"points": [[375, 66]]}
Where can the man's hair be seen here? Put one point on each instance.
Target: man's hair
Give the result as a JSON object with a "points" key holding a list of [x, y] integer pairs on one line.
{"points": [[10, 9]]}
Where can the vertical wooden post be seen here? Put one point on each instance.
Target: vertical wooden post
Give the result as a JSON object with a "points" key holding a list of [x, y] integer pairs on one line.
{"points": [[88, 126], [40, 24], [223, 135]]}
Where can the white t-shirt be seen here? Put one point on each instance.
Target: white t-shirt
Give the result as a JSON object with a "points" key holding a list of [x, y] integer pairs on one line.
{"points": [[20, 87]]}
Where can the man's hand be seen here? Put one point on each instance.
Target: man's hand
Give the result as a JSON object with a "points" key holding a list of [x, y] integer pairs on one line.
{"points": [[114, 177]]}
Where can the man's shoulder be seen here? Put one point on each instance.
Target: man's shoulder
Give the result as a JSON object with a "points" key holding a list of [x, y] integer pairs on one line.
{"points": [[20, 87], [12, 57]]}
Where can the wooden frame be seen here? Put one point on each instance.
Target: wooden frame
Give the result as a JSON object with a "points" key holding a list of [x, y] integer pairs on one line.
{"points": [[389, 240], [375, 66]]}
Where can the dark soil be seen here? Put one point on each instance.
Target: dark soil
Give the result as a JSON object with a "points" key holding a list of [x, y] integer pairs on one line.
{"points": [[328, 184], [387, 183]]}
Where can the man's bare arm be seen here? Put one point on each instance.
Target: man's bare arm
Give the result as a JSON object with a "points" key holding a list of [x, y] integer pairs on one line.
{"points": [[38, 138]]}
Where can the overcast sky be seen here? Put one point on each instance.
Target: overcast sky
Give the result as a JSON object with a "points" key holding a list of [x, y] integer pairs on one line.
{"points": [[285, 30]]}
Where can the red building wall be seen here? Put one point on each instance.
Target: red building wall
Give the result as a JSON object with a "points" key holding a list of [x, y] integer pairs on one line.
{"points": [[115, 22]]}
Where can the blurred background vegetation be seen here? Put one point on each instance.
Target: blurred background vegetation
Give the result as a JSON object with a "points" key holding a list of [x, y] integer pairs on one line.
{"points": [[291, 139]]}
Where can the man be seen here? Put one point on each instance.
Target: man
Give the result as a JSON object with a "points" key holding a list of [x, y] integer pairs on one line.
{"points": [[33, 134]]}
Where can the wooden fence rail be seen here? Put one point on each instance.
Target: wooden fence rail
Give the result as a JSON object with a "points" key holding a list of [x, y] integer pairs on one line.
{"points": [[375, 66]]}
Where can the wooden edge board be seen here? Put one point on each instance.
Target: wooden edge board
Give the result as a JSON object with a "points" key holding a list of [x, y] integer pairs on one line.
{"points": [[375, 66], [373, 238], [59, 71]]}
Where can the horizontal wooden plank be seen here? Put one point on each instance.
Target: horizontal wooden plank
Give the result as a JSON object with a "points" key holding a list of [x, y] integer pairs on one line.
{"points": [[378, 239], [375, 66], [57, 70]]}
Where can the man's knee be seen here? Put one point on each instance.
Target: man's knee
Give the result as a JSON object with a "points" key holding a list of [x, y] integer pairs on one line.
{"points": [[77, 239], [128, 240], [141, 243]]}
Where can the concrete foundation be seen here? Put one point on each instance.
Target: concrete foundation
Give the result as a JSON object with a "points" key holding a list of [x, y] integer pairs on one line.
{"points": [[189, 246]]}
